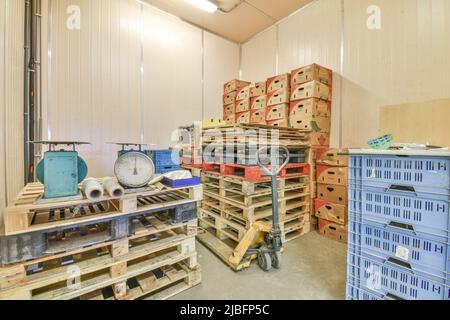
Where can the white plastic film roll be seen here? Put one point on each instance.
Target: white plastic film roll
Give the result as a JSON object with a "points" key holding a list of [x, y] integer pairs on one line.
{"points": [[92, 189], [113, 188]]}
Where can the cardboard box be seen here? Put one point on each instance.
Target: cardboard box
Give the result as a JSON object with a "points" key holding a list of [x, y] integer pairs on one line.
{"points": [[243, 117], [320, 139], [278, 82], [257, 103], [278, 97], [243, 93], [229, 110], [234, 85], [311, 73], [278, 112], [318, 124], [242, 105], [317, 152], [333, 231], [284, 123], [311, 108], [212, 123], [332, 175], [332, 193], [333, 157], [257, 89], [229, 98], [231, 119], [258, 116], [313, 89], [336, 213]]}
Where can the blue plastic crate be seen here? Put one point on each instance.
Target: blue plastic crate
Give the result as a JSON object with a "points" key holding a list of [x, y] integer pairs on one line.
{"points": [[392, 280], [425, 174], [385, 206], [166, 169], [414, 252], [354, 292], [164, 158]]}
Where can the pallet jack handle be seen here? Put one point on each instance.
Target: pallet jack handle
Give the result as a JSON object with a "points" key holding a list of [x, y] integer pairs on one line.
{"points": [[274, 170], [275, 153]]}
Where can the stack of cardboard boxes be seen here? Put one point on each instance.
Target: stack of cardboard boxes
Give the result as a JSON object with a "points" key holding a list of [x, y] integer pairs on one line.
{"points": [[236, 102], [278, 96], [331, 206], [258, 103], [310, 109]]}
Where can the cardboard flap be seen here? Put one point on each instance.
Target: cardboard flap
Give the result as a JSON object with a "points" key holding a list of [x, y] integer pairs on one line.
{"points": [[279, 82], [332, 193], [313, 89], [332, 175], [278, 112], [258, 89], [243, 118], [311, 73], [242, 105]]}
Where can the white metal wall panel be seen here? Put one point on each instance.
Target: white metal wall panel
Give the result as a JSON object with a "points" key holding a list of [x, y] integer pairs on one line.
{"points": [[404, 62], [259, 56], [172, 75], [312, 35], [11, 99], [307, 37], [94, 83], [221, 64]]}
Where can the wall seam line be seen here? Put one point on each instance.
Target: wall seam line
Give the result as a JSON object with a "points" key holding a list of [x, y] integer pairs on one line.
{"points": [[141, 74], [342, 56], [4, 104]]}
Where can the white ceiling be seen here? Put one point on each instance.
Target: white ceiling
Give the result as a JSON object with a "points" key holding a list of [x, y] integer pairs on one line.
{"points": [[247, 19]]}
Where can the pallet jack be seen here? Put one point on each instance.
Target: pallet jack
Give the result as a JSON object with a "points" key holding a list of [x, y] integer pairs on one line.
{"points": [[268, 253]]}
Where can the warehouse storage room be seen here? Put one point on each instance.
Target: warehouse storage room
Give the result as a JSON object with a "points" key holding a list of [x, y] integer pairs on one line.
{"points": [[196, 150]]}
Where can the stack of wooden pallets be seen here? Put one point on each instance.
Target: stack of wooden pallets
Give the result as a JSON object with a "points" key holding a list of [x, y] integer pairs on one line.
{"points": [[238, 195], [115, 248]]}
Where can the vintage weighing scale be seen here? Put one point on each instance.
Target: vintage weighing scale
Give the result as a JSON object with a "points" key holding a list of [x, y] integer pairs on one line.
{"points": [[134, 169], [61, 170]]}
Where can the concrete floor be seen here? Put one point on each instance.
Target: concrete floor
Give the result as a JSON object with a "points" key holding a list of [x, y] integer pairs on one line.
{"points": [[314, 268]]}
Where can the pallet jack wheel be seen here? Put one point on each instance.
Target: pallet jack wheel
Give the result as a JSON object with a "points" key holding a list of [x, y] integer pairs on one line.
{"points": [[276, 260], [264, 261]]}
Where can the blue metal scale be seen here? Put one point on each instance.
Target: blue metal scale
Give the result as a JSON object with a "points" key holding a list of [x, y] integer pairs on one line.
{"points": [[61, 170]]}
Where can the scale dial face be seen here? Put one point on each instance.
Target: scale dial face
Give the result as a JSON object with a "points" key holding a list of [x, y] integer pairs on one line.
{"points": [[134, 169]]}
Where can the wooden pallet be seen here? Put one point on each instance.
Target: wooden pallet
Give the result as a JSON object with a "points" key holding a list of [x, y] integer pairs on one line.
{"points": [[254, 134], [253, 173], [84, 271], [25, 216], [233, 229], [249, 214]]}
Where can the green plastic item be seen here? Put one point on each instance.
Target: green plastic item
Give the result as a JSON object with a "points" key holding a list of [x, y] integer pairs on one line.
{"points": [[382, 143]]}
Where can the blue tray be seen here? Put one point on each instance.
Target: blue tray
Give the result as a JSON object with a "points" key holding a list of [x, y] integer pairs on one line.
{"points": [[181, 183]]}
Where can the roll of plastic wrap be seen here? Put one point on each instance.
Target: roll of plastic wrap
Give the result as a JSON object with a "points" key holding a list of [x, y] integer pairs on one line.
{"points": [[113, 188], [92, 189]]}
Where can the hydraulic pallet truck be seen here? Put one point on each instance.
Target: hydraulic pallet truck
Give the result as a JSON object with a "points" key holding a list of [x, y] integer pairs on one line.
{"points": [[269, 253]]}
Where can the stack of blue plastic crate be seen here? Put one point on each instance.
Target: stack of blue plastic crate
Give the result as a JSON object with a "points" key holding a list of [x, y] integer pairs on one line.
{"points": [[165, 160], [399, 223]]}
